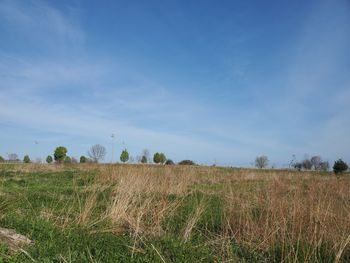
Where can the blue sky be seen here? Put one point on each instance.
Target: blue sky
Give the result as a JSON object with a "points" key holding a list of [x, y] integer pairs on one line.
{"points": [[219, 81]]}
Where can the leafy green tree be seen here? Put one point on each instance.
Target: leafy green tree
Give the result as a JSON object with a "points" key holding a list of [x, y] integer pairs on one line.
{"points": [[143, 159], [49, 159], [26, 159], [60, 154], [156, 158], [162, 158], [124, 156], [83, 159], [67, 159], [2, 159], [339, 166]]}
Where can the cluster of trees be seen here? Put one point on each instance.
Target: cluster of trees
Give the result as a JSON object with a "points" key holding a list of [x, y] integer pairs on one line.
{"points": [[96, 154], [314, 163]]}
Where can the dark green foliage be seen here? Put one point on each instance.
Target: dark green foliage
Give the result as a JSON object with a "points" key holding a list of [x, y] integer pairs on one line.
{"points": [[169, 162], [339, 166], [156, 158], [124, 156], [49, 159], [187, 162], [60, 154], [83, 159], [26, 159], [2, 159], [143, 159], [159, 158]]}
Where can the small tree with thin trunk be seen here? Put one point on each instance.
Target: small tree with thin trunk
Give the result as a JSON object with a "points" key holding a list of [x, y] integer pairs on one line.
{"points": [[97, 153], [60, 154], [124, 156], [49, 159]]}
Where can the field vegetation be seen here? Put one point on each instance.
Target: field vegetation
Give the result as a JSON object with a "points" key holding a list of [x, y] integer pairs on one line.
{"points": [[171, 213]]}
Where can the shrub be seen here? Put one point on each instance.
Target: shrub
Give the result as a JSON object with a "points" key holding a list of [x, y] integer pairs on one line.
{"points": [[83, 159], [156, 158], [187, 162], [339, 166], [124, 156], [60, 154], [26, 159], [2, 159], [169, 162], [49, 159]]}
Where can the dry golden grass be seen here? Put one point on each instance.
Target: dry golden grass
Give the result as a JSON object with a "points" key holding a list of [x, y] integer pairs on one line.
{"points": [[263, 210]]}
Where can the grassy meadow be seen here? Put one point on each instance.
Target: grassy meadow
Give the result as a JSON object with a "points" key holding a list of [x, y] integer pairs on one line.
{"points": [[151, 213]]}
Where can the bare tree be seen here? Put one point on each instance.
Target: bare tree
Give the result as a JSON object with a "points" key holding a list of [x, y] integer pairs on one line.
{"points": [[316, 162], [261, 161], [97, 153]]}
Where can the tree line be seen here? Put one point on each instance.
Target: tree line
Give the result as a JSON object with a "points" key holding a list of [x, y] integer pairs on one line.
{"points": [[97, 154]]}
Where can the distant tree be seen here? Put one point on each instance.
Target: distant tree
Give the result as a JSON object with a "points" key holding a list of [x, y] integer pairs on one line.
{"points": [[2, 159], [145, 153], [324, 166], [339, 166], [74, 160], [124, 156], [60, 154], [83, 159], [131, 159], [26, 159], [49, 159], [162, 158], [187, 162], [298, 166], [261, 161], [316, 162], [143, 159], [67, 159], [97, 153], [307, 164], [169, 162], [156, 158], [13, 157]]}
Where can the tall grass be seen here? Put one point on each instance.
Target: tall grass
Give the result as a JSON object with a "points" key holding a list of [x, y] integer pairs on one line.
{"points": [[239, 214]]}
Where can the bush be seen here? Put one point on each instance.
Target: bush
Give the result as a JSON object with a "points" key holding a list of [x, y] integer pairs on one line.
{"points": [[49, 159], [169, 162], [60, 154], [83, 159], [2, 159], [26, 159], [339, 166], [187, 162]]}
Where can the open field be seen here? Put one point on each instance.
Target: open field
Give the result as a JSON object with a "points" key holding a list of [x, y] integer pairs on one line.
{"points": [[148, 213]]}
